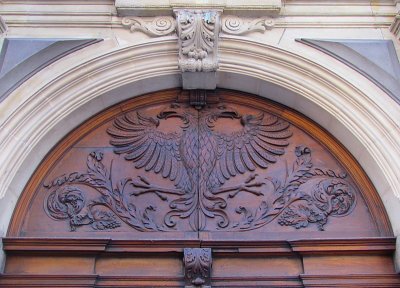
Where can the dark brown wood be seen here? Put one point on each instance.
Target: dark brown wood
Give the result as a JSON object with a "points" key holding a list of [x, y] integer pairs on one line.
{"points": [[235, 263], [47, 281], [361, 280], [278, 200], [197, 264]]}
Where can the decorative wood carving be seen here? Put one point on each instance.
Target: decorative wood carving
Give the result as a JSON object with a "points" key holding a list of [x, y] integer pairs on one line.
{"points": [[330, 196], [198, 98], [198, 32], [199, 160], [215, 168], [69, 202], [197, 265], [228, 260], [278, 200]]}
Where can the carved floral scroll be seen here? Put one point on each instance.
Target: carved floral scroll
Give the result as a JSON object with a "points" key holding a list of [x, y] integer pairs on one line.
{"points": [[201, 163]]}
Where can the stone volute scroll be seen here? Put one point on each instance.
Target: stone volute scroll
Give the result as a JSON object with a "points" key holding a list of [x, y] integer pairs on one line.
{"points": [[198, 32], [152, 26], [234, 25]]}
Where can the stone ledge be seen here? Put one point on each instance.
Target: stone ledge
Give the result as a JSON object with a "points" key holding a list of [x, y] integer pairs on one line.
{"points": [[165, 7]]}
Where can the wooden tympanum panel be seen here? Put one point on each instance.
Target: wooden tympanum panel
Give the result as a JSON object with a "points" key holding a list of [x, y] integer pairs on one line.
{"points": [[168, 170], [230, 167]]}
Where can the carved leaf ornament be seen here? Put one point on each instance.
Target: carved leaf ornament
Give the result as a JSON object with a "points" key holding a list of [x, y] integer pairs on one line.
{"points": [[197, 263], [201, 162], [198, 33]]}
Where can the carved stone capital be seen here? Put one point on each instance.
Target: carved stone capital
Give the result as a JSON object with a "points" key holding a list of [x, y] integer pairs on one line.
{"points": [[198, 32], [152, 26], [197, 264], [238, 26]]}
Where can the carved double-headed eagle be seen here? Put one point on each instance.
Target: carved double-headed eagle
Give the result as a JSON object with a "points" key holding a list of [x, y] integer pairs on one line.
{"points": [[198, 159]]}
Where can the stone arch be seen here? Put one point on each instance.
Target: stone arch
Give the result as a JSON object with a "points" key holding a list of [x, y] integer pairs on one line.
{"points": [[355, 111]]}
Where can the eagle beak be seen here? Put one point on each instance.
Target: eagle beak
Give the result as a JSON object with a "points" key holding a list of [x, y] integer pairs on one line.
{"points": [[169, 112], [229, 113]]}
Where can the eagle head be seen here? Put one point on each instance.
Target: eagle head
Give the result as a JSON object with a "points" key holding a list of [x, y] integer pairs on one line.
{"points": [[176, 110], [224, 111]]}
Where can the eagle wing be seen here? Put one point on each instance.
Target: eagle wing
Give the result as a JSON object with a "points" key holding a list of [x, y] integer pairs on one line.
{"points": [[258, 144], [137, 137]]}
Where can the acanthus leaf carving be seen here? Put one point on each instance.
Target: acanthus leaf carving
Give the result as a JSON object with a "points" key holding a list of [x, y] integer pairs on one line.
{"points": [[239, 26], [67, 201], [199, 161], [198, 32], [331, 195], [154, 26], [197, 264]]}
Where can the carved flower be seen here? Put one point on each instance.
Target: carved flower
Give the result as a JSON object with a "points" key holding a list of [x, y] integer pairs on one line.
{"points": [[65, 202], [334, 197]]}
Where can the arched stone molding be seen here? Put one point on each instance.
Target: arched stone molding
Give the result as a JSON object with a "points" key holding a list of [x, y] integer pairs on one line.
{"points": [[49, 105]]}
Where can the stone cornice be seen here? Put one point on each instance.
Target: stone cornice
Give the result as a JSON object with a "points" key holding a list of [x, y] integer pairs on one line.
{"points": [[32, 14], [166, 7]]}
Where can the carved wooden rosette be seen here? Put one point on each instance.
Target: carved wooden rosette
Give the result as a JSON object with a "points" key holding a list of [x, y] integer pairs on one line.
{"points": [[197, 264]]}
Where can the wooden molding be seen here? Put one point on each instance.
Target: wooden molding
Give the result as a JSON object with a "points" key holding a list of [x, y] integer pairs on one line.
{"points": [[47, 281], [124, 263], [335, 246], [304, 246], [59, 245], [359, 280]]}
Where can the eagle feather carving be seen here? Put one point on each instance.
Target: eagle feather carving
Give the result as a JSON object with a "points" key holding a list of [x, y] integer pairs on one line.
{"points": [[198, 159]]}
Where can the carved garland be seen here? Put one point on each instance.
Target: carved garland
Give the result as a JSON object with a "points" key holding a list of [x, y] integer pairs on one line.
{"points": [[199, 173]]}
